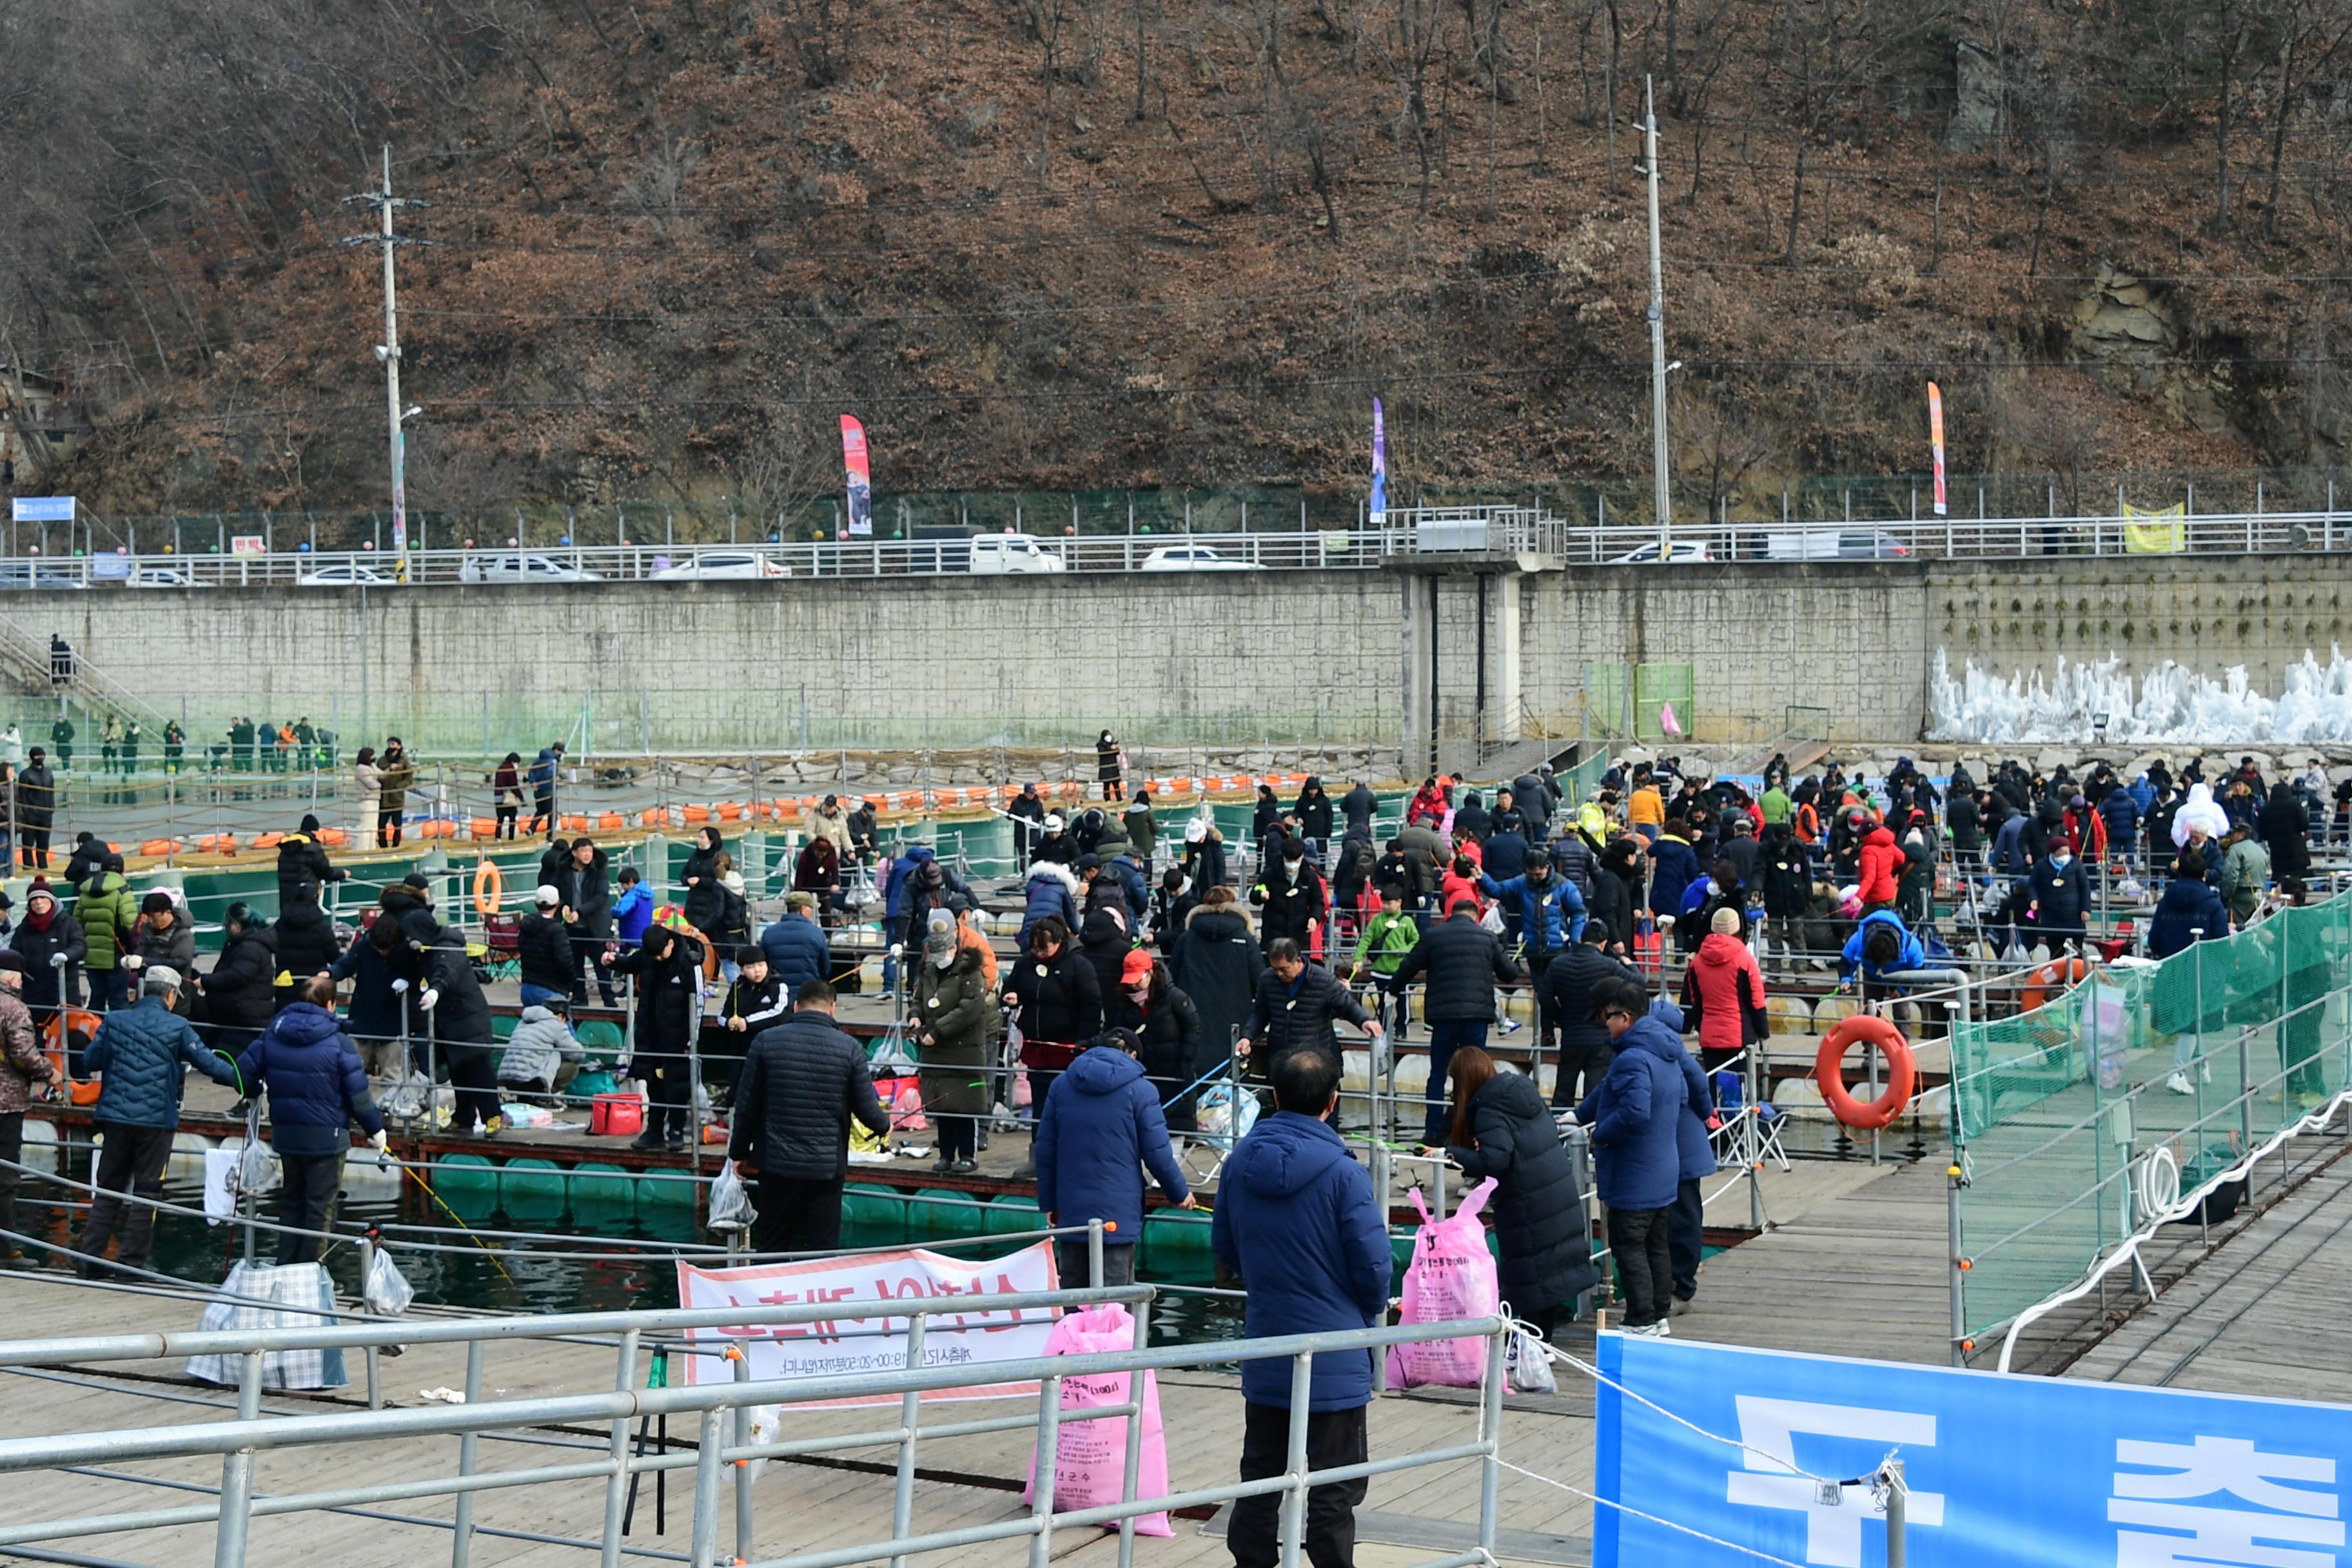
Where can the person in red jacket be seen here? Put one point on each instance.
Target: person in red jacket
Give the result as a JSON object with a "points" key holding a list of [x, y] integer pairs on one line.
{"points": [[1882, 860], [1723, 994]]}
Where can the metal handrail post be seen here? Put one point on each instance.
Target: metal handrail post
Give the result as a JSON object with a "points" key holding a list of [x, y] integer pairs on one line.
{"points": [[1049, 1452], [710, 1441], [1959, 1264], [1897, 1509], [237, 1473], [1095, 1253], [1294, 1494], [374, 1353], [616, 1485], [1132, 1465], [461, 1542], [1490, 1433], [743, 1526], [911, 1418]]}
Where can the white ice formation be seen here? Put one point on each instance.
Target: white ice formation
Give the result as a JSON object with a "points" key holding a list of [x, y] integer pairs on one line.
{"points": [[2170, 704]]}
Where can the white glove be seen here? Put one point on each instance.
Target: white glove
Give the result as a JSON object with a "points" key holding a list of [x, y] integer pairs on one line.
{"points": [[57, 960], [426, 998], [381, 1143], [131, 960], [621, 1068]]}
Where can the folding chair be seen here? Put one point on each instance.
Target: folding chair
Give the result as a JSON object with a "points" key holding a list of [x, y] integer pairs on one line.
{"points": [[1749, 1133]]}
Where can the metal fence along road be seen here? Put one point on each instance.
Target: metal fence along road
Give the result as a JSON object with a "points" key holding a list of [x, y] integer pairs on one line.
{"points": [[723, 1411], [153, 561]]}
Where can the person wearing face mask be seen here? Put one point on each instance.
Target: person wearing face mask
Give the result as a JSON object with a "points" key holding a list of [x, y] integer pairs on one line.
{"points": [[1292, 896], [1056, 1000], [2061, 894], [949, 1010], [1167, 1029]]}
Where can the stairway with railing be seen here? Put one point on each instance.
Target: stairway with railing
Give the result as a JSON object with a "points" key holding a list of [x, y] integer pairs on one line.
{"points": [[28, 656]]}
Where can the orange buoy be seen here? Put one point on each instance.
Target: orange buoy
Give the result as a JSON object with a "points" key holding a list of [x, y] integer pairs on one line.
{"points": [[1902, 1072], [489, 887], [2058, 975]]}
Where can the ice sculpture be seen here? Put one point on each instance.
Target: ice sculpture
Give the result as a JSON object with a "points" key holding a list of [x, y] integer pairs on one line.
{"points": [[2173, 705]]}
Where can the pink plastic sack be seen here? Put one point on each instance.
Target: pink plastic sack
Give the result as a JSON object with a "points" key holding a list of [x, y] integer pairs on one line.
{"points": [[903, 1099], [1451, 1275], [1090, 1460]]}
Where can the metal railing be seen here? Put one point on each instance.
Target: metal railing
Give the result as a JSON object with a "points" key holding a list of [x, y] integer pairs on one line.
{"points": [[1493, 531], [723, 1439]]}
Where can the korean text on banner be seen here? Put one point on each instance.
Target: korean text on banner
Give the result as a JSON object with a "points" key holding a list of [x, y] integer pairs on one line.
{"points": [[2164, 532], [863, 1338], [859, 477], [1379, 509], [41, 509], [1999, 1470], [1936, 440]]}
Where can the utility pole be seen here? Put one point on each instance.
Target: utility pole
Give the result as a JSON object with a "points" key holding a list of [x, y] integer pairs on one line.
{"points": [[1664, 503], [388, 351]]}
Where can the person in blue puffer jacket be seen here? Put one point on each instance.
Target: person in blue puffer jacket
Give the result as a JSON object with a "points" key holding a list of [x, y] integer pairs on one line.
{"points": [[1296, 1219], [141, 1054], [1693, 1148], [1673, 867], [1551, 910], [1637, 1162], [317, 1088], [1882, 944], [1102, 1128], [1052, 890]]}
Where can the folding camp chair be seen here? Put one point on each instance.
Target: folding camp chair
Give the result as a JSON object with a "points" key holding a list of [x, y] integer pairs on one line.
{"points": [[1748, 1135]]}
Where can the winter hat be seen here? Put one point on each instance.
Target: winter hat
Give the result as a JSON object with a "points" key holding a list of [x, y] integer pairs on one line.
{"points": [[40, 888], [1135, 968], [732, 882], [1196, 831], [159, 977], [939, 939], [548, 895], [1726, 921], [11, 961], [309, 824], [1087, 862], [155, 903], [1054, 822], [416, 879]]}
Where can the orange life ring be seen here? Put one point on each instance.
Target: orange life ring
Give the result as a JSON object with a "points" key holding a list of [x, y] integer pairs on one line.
{"points": [[2060, 973], [1902, 1073], [81, 1021], [489, 887]]}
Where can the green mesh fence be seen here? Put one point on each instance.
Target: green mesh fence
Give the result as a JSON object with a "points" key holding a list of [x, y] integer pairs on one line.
{"points": [[1583, 782], [2059, 1109]]}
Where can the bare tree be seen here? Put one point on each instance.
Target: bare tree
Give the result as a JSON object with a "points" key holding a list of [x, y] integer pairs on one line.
{"points": [[1042, 21]]}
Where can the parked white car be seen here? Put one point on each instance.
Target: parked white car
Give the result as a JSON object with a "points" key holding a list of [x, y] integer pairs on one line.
{"points": [[1193, 558], [1685, 549], [510, 566], [162, 577], [1011, 554], [347, 577], [722, 566]]}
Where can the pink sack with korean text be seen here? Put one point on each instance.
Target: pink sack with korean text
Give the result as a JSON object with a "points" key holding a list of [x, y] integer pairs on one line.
{"points": [[1091, 1456], [1451, 1275]]}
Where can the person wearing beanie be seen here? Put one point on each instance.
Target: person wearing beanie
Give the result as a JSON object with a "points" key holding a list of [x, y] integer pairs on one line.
{"points": [[163, 938], [90, 853], [21, 1066], [950, 1009], [107, 916], [304, 868], [52, 945], [1462, 961], [1723, 993], [37, 809]]}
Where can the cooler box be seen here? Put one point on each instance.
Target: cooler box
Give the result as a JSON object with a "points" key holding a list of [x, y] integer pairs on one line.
{"points": [[617, 1115]]}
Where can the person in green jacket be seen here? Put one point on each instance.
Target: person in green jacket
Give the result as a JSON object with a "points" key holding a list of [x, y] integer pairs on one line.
{"points": [[1142, 829], [108, 912], [1776, 805], [2245, 872], [1380, 953]]}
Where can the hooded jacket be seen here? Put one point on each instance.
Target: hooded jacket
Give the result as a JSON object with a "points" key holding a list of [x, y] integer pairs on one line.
{"points": [[1296, 1218], [1632, 1115], [36, 797], [302, 865], [1358, 805], [1463, 961], [1551, 914], [1692, 1148], [1544, 1253], [1673, 867], [1052, 890], [1217, 960], [669, 994], [107, 912], [141, 1054], [1293, 897], [305, 940], [2188, 905], [1313, 809], [317, 1088], [1725, 989], [1912, 956], [1881, 859], [2061, 893], [460, 1019], [543, 947], [542, 1043], [239, 992], [1102, 1127], [952, 1005], [797, 949]]}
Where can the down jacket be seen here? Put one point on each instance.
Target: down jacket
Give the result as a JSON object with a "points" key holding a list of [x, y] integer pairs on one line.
{"points": [[1725, 989], [1102, 1127], [238, 992], [142, 1055], [1544, 1252], [1060, 1006], [542, 1043], [1881, 857], [544, 948], [1294, 1015], [800, 1082], [797, 950], [953, 1005], [316, 1085], [1052, 890], [1463, 961], [1632, 1114], [1693, 1150]]}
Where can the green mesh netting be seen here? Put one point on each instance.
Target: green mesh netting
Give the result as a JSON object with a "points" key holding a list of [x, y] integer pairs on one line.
{"points": [[2053, 1106]]}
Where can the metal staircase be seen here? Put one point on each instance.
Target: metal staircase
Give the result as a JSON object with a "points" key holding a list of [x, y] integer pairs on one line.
{"points": [[25, 655]]}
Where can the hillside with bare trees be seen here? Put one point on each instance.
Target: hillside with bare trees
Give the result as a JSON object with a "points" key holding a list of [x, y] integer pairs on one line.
{"points": [[1112, 243]]}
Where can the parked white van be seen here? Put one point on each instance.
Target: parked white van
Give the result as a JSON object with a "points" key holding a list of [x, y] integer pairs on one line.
{"points": [[1009, 554]]}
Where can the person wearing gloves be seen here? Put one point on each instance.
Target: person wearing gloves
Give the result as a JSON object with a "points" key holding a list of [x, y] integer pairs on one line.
{"points": [[543, 948], [23, 1069], [142, 1053], [51, 943], [544, 1055], [668, 967], [1100, 1128], [950, 1006], [317, 1088], [456, 1019], [107, 912], [1204, 857], [240, 992], [1637, 1165], [382, 971]]}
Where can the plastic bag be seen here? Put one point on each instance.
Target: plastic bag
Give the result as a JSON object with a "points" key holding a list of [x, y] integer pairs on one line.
{"points": [[902, 1097], [890, 1056], [1215, 1115], [1492, 920], [406, 1101], [730, 1203], [1529, 1368], [386, 1290], [1451, 1275], [1091, 1457]]}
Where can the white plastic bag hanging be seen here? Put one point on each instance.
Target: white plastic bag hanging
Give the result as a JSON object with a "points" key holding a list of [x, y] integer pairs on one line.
{"points": [[1528, 1367], [731, 1205], [386, 1292]]}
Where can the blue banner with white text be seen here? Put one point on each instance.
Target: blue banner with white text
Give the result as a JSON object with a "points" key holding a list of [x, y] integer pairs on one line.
{"points": [[2002, 1472]]}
